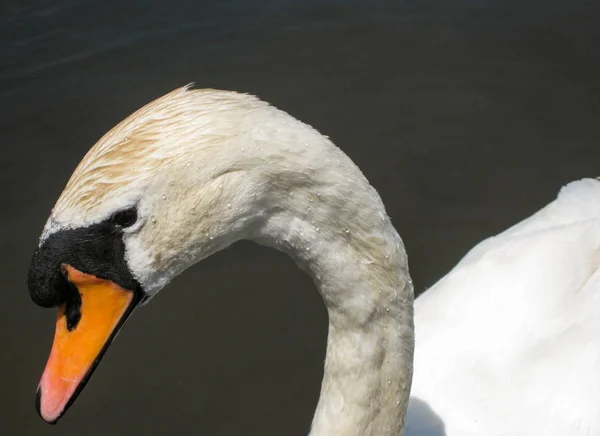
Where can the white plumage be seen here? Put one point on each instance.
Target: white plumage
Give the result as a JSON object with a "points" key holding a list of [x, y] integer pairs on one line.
{"points": [[508, 342]]}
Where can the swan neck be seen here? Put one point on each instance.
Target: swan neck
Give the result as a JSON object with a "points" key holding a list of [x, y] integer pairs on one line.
{"points": [[359, 266], [368, 364]]}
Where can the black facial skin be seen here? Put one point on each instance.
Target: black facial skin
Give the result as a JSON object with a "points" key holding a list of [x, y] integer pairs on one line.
{"points": [[96, 250]]}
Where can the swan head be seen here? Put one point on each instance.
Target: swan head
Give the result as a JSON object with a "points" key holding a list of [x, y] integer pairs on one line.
{"points": [[178, 180]]}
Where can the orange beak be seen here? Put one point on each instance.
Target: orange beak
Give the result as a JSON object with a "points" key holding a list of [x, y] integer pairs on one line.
{"points": [[77, 349]]}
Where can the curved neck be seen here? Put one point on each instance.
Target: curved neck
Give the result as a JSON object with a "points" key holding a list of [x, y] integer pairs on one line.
{"points": [[358, 263], [260, 174]]}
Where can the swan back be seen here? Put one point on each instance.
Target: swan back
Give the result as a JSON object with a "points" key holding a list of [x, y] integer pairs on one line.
{"points": [[508, 340]]}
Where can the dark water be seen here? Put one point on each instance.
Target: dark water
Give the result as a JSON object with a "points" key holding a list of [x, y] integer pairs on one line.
{"points": [[466, 115]]}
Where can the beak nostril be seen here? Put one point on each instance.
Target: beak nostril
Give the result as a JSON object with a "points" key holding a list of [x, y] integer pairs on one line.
{"points": [[72, 305]]}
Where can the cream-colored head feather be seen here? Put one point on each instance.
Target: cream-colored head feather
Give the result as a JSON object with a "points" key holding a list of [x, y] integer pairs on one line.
{"points": [[158, 135]]}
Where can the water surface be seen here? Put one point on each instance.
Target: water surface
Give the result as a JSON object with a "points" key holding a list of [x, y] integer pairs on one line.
{"points": [[467, 116]]}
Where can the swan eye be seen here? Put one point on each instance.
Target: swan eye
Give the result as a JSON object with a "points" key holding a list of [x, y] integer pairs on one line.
{"points": [[125, 218]]}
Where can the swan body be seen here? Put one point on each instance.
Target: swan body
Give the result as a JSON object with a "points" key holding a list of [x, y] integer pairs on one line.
{"points": [[188, 175], [508, 343]]}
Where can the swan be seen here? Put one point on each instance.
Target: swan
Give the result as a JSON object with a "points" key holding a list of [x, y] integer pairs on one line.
{"points": [[186, 176], [508, 342]]}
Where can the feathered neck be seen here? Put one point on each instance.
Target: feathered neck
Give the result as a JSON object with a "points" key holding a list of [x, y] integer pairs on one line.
{"points": [[364, 282], [333, 223]]}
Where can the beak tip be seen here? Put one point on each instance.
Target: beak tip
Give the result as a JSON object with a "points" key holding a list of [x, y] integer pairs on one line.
{"points": [[38, 407]]}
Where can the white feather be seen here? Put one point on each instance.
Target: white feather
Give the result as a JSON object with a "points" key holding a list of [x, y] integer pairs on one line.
{"points": [[508, 342]]}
